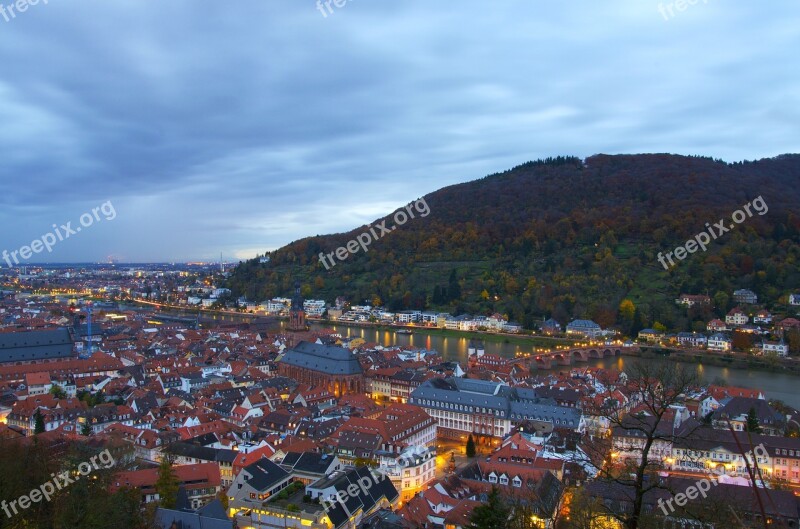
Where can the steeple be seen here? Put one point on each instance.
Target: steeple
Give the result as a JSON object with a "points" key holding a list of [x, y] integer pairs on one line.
{"points": [[297, 314]]}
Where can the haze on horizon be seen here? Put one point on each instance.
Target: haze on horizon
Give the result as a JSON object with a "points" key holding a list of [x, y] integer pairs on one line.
{"points": [[235, 130]]}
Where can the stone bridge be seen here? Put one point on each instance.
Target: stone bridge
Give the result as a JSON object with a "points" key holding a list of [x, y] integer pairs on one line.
{"points": [[569, 357]]}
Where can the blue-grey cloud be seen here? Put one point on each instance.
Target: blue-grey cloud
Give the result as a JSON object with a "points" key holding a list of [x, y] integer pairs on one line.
{"points": [[238, 127]]}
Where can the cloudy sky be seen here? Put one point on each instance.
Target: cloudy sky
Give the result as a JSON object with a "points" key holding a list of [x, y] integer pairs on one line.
{"points": [[237, 127]]}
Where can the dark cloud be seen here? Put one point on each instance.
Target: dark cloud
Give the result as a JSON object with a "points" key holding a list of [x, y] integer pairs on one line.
{"points": [[238, 127]]}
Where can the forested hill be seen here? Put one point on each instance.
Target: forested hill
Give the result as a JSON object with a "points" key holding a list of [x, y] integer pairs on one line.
{"points": [[566, 238]]}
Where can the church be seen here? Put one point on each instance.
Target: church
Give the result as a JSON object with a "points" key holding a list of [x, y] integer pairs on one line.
{"points": [[328, 366]]}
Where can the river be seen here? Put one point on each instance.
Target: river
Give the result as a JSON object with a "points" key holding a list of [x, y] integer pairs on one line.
{"points": [[774, 385]]}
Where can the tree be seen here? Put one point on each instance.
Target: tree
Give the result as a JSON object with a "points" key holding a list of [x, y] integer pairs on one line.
{"points": [[493, 514], [39, 426], [222, 496], [793, 339], [742, 341], [659, 386], [58, 392], [167, 484], [752, 424], [453, 287], [721, 302], [626, 310], [470, 447], [306, 291], [637, 324]]}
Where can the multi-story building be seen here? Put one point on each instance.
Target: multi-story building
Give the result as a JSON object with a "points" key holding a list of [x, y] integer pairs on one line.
{"points": [[778, 348], [692, 299], [314, 307], [586, 328], [551, 326], [404, 382], [408, 425], [650, 335], [719, 342], [346, 502], [736, 317], [192, 454], [202, 482], [745, 296], [762, 317], [718, 452], [380, 382], [278, 305], [692, 339], [464, 322], [467, 406], [411, 471], [408, 316], [629, 439], [430, 318], [734, 412]]}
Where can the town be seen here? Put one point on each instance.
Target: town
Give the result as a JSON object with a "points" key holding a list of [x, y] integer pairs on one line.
{"points": [[269, 422]]}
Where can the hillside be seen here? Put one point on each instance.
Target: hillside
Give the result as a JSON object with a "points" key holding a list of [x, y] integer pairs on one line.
{"points": [[567, 238]]}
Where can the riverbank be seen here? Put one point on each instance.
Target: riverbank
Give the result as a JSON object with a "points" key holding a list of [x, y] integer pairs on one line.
{"points": [[730, 361], [512, 339]]}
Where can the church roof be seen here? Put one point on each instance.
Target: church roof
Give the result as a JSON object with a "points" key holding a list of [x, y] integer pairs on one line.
{"points": [[329, 359]]}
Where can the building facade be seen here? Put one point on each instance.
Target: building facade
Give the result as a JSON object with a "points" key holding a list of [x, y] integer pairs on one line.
{"points": [[330, 367], [467, 406]]}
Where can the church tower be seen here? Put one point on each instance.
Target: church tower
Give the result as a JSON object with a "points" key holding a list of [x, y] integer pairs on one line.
{"points": [[297, 314]]}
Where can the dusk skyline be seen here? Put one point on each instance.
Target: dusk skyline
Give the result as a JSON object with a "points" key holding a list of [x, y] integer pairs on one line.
{"points": [[236, 131]]}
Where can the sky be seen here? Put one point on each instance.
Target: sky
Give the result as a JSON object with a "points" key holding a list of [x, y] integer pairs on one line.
{"points": [[234, 128]]}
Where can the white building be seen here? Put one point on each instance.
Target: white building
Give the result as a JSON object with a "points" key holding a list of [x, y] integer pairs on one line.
{"points": [[314, 307], [429, 317], [736, 317], [719, 342], [278, 305], [411, 472], [408, 316], [779, 348]]}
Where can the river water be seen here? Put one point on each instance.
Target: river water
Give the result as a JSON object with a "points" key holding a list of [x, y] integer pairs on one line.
{"points": [[780, 386]]}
